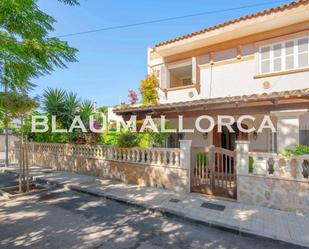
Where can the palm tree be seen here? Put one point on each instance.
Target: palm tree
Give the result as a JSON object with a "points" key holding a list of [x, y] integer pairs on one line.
{"points": [[86, 109], [53, 103], [71, 105]]}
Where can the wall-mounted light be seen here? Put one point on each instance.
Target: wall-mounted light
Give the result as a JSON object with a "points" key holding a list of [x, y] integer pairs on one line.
{"points": [[205, 135], [255, 135]]}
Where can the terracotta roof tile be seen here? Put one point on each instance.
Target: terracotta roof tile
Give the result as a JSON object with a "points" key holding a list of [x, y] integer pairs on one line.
{"points": [[242, 18]]}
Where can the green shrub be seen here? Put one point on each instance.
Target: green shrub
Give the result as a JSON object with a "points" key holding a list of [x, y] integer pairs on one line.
{"points": [[144, 141], [110, 138], [202, 159], [251, 163], [128, 140], [287, 153], [299, 150]]}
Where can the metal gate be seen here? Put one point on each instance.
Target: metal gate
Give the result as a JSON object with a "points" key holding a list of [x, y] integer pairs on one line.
{"points": [[213, 171]]}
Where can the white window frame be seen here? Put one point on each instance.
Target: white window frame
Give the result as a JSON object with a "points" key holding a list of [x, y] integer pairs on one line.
{"points": [[283, 55]]}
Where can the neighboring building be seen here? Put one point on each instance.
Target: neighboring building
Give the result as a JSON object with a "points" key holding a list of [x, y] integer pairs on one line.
{"points": [[257, 64], [112, 116]]}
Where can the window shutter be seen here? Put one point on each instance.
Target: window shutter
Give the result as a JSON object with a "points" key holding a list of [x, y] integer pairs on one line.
{"points": [[289, 55], [194, 70], [303, 52], [164, 77], [265, 59]]}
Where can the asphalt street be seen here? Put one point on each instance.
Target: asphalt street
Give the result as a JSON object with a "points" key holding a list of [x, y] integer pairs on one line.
{"points": [[62, 218]]}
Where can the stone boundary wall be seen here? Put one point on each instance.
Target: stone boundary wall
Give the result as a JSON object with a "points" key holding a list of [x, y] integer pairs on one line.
{"points": [[278, 193], [276, 181], [162, 170]]}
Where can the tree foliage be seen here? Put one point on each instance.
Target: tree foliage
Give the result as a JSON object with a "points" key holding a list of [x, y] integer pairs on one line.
{"points": [[53, 101], [18, 105], [133, 98], [85, 110], [148, 89], [26, 51]]}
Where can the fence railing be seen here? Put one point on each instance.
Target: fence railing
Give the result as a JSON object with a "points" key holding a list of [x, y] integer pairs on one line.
{"points": [[271, 164], [153, 156]]}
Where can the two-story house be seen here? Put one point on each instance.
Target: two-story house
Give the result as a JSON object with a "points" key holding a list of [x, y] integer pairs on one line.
{"points": [[253, 65]]}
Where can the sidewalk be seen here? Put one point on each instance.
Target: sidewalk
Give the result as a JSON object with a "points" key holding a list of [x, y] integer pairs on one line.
{"points": [[239, 218], [2, 157]]}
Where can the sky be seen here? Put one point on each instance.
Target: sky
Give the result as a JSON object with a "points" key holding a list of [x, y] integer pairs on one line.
{"points": [[112, 62]]}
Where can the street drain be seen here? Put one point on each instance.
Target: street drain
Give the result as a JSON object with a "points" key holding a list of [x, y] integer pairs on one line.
{"points": [[47, 197], [47, 171], [174, 200], [213, 206]]}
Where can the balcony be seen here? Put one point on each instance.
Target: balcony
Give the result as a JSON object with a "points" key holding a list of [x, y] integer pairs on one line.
{"points": [[180, 75]]}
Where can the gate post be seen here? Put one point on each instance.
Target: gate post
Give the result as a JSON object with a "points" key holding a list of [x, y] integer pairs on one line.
{"points": [[242, 157], [185, 153], [242, 166], [185, 160]]}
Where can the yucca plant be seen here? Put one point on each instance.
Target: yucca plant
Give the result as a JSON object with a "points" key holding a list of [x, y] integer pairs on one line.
{"points": [[71, 106], [53, 102], [86, 109]]}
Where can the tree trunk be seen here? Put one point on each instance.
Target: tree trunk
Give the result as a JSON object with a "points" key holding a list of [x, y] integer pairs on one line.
{"points": [[20, 161], [6, 131], [27, 165], [6, 147], [23, 157]]}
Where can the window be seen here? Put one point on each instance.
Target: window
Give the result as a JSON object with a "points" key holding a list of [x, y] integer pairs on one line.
{"points": [[180, 75], [265, 59], [187, 81], [304, 137], [284, 56], [289, 55], [277, 57], [303, 52]]}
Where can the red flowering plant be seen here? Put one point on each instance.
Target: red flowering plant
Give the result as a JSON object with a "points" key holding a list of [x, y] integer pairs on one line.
{"points": [[133, 98]]}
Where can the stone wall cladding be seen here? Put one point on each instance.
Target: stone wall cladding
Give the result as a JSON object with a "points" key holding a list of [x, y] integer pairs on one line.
{"points": [[282, 194], [171, 178]]}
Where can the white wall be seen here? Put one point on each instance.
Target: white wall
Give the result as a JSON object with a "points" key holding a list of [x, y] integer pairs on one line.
{"points": [[113, 116], [237, 79], [233, 78]]}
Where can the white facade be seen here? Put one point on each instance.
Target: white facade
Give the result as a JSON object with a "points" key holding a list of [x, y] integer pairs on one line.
{"points": [[274, 61], [232, 76]]}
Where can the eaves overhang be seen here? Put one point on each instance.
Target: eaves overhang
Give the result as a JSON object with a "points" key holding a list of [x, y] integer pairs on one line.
{"points": [[259, 22]]}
